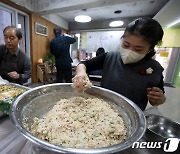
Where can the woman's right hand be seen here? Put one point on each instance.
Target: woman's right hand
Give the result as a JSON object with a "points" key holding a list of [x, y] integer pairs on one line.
{"points": [[81, 82]]}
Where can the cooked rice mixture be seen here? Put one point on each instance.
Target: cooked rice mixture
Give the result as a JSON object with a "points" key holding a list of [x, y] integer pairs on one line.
{"points": [[81, 123], [9, 91], [86, 83]]}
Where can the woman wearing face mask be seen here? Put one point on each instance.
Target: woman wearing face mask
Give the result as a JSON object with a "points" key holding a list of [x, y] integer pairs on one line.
{"points": [[131, 71]]}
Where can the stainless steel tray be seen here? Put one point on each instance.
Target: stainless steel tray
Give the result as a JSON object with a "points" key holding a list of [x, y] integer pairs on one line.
{"points": [[4, 115]]}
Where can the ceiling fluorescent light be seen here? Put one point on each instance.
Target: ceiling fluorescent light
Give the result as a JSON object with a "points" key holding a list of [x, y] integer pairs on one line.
{"points": [[173, 23], [82, 18], [116, 23]]}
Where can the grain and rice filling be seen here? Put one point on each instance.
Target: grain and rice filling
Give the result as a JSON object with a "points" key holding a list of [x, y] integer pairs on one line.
{"points": [[81, 123]]}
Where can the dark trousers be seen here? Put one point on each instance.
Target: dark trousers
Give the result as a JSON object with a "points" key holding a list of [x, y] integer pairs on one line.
{"points": [[64, 72]]}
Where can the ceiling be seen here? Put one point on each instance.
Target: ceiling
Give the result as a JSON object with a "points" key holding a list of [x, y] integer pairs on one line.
{"points": [[62, 12], [169, 14], [101, 11]]}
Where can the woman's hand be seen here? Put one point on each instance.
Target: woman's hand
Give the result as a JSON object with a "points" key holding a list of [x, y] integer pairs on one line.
{"points": [[155, 96], [81, 81], [78, 81]]}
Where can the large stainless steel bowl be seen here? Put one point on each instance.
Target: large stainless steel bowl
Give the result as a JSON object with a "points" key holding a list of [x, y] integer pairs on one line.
{"points": [[38, 101]]}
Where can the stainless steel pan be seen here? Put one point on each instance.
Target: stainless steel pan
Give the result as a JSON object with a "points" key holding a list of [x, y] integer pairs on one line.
{"points": [[160, 128]]}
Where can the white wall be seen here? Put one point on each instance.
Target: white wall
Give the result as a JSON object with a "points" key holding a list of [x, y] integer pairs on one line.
{"points": [[109, 40]]}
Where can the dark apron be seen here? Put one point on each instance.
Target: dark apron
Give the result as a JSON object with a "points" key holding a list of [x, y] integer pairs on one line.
{"points": [[9, 65]]}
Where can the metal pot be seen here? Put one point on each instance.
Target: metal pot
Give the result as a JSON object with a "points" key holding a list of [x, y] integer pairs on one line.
{"points": [[38, 101]]}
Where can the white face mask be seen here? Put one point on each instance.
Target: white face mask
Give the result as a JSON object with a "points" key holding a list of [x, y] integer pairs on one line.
{"points": [[129, 56]]}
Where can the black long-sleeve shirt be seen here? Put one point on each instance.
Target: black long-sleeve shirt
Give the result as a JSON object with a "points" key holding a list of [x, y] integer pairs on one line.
{"points": [[127, 79], [59, 47]]}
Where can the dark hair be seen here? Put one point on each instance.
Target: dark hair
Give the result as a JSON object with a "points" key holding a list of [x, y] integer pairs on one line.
{"points": [[18, 32], [147, 28], [100, 51], [57, 31]]}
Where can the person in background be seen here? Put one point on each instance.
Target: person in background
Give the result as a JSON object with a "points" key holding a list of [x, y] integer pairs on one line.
{"points": [[59, 47], [100, 51], [97, 72], [14, 64], [131, 71]]}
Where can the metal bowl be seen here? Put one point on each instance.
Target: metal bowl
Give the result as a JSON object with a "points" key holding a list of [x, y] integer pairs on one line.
{"points": [[160, 128], [38, 101]]}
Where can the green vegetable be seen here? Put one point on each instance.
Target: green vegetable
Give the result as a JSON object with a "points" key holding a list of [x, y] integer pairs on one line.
{"points": [[6, 104]]}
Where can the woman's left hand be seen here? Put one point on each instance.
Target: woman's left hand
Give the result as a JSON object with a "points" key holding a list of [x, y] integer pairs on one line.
{"points": [[155, 96]]}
